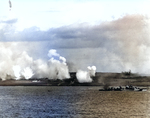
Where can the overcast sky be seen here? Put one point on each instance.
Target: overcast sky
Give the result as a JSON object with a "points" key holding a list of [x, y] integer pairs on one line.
{"points": [[112, 35]]}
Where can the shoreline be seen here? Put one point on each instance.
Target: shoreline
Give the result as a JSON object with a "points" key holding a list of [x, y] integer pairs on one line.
{"points": [[100, 79]]}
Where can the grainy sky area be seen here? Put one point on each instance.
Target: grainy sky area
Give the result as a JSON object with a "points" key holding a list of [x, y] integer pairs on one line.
{"points": [[113, 35]]}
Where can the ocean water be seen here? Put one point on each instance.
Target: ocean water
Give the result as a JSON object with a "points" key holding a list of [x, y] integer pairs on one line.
{"points": [[72, 102]]}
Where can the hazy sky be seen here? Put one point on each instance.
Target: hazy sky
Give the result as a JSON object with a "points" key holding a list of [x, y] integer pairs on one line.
{"points": [[112, 35], [46, 14]]}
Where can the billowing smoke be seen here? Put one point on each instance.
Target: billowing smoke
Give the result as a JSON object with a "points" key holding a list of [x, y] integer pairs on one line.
{"points": [[92, 70], [113, 46], [85, 76], [17, 65], [53, 69], [27, 73]]}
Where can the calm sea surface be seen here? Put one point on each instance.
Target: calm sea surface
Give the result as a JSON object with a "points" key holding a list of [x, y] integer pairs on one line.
{"points": [[72, 102]]}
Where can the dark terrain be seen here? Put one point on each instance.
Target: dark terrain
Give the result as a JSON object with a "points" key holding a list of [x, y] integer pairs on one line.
{"points": [[101, 79]]}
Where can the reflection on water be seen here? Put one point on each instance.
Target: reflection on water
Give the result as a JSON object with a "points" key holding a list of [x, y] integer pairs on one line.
{"points": [[77, 102]]}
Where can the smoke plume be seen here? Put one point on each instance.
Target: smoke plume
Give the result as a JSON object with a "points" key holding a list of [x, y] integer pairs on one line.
{"points": [[113, 46], [92, 70], [85, 76], [53, 69], [16, 65]]}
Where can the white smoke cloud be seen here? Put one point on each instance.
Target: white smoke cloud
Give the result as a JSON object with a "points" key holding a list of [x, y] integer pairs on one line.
{"points": [[60, 67], [53, 69], [121, 44], [85, 76], [27, 73], [52, 53], [92, 70], [62, 59], [17, 70], [17, 64]]}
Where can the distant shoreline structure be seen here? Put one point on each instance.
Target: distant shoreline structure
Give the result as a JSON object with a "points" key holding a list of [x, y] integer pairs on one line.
{"points": [[100, 79]]}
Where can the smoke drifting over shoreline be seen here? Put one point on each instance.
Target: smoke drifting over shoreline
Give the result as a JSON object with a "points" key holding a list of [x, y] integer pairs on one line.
{"points": [[85, 76], [17, 66], [113, 46]]}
